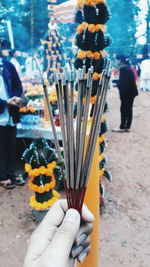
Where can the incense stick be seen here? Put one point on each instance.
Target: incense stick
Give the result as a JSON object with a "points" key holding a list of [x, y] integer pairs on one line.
{"points": [[77, 159]]}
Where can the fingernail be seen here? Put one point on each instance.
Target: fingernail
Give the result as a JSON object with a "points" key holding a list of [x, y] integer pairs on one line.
{"points": [[89, 213], [76, 251], [71, 215], [82, 257], [80, 239]]}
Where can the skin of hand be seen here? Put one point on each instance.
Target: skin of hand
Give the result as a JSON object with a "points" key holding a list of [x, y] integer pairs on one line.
{"points": [[14, 101], [60, 238]]}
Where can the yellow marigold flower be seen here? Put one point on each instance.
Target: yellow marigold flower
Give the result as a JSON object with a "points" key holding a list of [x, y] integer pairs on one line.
{"points": [[36, 172], [42, 170], [28, 167], [31, 174], [103, 118], [56, 194]]}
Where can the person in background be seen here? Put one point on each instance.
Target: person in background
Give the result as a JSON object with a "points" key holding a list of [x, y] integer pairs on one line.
{"points": [[10, 100], [60, 238], [13, 54], [127, 91], [5, 49]]}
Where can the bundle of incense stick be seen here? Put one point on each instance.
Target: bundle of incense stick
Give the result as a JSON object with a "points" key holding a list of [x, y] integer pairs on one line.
{"points": [[77, 157]]}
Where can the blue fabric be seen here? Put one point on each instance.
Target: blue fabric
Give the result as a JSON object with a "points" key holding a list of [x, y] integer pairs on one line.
{"points": [[13, 87]]}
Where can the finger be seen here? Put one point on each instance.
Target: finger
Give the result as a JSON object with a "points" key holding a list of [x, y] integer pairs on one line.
{"points": [[87, 215], [84, 254], [84, 231], [77, 250], [64, 237]]}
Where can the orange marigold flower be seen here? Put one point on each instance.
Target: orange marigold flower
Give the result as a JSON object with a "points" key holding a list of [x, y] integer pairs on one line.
{"points": [[47, 187], [23, 109], [31, 109], [40, 189], [96, 76], [81, 54], [91, 28], [96, 55], [89, 54], [79, 29]]}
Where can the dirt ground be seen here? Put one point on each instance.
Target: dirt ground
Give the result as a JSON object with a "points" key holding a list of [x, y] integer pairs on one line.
{"points": [[125, 222]]}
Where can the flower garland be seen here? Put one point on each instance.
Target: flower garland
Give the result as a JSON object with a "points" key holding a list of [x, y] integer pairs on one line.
{"points": [[41, 170], [101, 139], [91, 28], [27, 109], [90, 2], [101, 172], [89, 54], [46, 204], [43, 188], [101, 157]]}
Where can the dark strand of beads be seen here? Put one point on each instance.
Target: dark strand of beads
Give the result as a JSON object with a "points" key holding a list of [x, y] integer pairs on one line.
{"points": [[98, 14], [86, 41]]}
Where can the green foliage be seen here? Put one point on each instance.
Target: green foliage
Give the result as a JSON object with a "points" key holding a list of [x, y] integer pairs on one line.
{"points": [[122, 25], [29, 21]]}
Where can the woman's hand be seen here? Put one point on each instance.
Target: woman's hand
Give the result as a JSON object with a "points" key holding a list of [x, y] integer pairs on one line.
{"points": [[59, 239]]}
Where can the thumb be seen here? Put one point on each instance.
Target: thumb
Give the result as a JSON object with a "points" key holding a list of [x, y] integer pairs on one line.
{"points": [[64, 237]]}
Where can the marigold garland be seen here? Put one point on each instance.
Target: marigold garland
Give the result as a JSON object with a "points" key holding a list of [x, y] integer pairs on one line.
{"points": [[89, 54], [101, 172], [46, 204], [43, 188], [41, 170], [101, 139], [90, 2], [101, 157]]}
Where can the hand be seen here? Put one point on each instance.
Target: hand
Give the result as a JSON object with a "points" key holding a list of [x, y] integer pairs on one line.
{"points": [[59, 239], [14, 101]]}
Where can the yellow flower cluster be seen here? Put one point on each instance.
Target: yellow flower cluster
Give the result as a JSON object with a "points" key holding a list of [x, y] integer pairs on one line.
{"points": [[103, 118], [89, 54], [41, 170], [101, 157], [89, 2], [101, 139], [91, 27], [43, 188], [46, 204], [101, 172]]}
